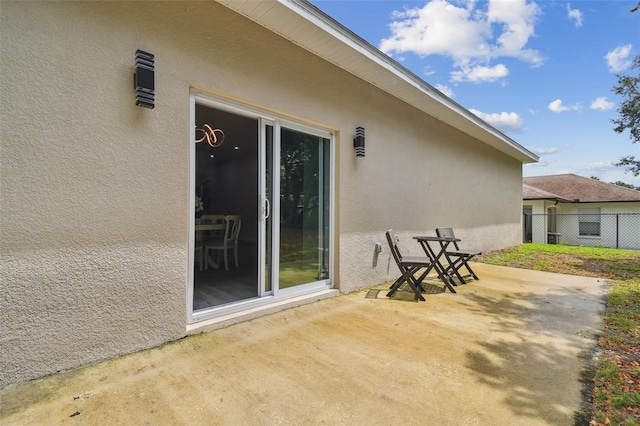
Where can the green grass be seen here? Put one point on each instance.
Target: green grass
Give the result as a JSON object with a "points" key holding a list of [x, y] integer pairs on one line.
{"points": [[613, 264], [616, 392]]}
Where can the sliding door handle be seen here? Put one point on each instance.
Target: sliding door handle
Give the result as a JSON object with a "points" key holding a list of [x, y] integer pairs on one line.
{"points": [[267, 208]]}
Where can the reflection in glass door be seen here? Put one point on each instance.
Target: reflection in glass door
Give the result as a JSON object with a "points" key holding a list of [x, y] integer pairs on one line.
{"points": [[304, 208], [276, 179], [226, 264]]}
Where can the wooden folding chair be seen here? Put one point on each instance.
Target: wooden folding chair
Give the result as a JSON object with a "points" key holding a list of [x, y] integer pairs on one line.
{"points": [[408, 267], [458, 258]]}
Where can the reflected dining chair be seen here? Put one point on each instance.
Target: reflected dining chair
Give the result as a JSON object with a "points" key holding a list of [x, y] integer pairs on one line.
{"points": [[228, 241], [212, 218], [202, 237], [199, 255]]}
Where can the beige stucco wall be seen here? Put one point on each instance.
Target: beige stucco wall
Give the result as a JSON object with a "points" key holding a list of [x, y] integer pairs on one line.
{"points": [[419, 175], [95, 191]]}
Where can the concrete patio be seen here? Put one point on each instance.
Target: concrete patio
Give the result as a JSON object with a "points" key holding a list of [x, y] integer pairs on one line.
{"points": [[509, 349]]}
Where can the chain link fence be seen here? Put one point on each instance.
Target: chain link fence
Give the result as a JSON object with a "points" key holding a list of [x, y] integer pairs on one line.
{"points": [[611, 230]]}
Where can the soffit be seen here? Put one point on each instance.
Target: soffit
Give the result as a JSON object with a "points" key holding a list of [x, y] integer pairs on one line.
{"points": [[306, 26]]}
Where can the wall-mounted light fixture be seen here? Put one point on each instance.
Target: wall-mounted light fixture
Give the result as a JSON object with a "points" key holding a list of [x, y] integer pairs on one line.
{"points": [[358, 142], [143, 79]]}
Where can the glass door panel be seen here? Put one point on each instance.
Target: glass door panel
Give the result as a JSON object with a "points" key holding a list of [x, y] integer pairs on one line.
{"points": [[277, 179], [267, 209], [226, 267], [304, 208]]}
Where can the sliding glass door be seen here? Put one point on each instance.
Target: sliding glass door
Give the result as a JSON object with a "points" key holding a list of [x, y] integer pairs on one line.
{"points": [[226, 230], [304, 208], [275, 175]]}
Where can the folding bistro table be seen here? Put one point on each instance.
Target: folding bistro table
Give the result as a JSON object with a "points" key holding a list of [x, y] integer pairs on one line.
{"points": [[443, 242]]}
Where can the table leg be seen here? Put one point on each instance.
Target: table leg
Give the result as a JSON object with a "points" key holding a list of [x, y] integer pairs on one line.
{"points": [[440, 269]]}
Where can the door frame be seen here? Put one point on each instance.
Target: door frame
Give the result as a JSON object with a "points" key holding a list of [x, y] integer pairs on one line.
{"points": [[264, 117]]}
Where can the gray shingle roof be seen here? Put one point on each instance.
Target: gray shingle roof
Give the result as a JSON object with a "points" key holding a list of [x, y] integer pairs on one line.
{"points": [[575, 188], [531, 193]]}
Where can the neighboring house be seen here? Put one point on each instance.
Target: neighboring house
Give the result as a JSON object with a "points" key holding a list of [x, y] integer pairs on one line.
{"points": [[102, 252], [576, 210]]}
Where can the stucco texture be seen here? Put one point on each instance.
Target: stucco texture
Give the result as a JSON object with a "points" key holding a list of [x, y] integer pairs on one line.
{"points": [[95, 191]]}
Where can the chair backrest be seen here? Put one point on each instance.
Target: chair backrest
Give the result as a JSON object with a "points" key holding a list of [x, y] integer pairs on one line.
{"points": [[212, 218], [233, 222], [447, 233], [393, 245]]}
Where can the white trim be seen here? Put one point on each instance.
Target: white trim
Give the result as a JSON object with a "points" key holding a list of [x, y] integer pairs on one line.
{"points": [[256, 302], [270, 305], [190, 212], [262, 205], [275, 295], [275, 211], [308, 27]]}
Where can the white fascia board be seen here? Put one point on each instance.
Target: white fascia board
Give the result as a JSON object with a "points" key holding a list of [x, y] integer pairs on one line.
{"points": [[416, 92]]}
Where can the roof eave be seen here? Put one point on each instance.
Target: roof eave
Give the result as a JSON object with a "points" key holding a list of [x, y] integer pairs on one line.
{"points": [[358, 57], [558, 200], [604, 201]]}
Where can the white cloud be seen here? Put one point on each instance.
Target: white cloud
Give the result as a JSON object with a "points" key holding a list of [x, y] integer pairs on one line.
{"points": [[557, 106], [619, 58], [508, 122], [480, 73], [540, 163], [602, 103], [608, 172], [428, 70], [545, 151], [574, 14], [596, 167], [445, 89], [472, 35], [517, 18], [599, 166], [437, 28]]}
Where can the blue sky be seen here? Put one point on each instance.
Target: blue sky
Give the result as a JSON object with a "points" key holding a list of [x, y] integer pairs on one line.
{"points": [[540, 71]]}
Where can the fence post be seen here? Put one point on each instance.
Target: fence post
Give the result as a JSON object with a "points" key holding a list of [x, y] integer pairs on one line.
{"points": [[617, 231]]}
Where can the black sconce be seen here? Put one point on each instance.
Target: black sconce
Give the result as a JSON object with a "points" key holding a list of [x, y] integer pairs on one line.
{"points": [[358, 142], [143, 79]]}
